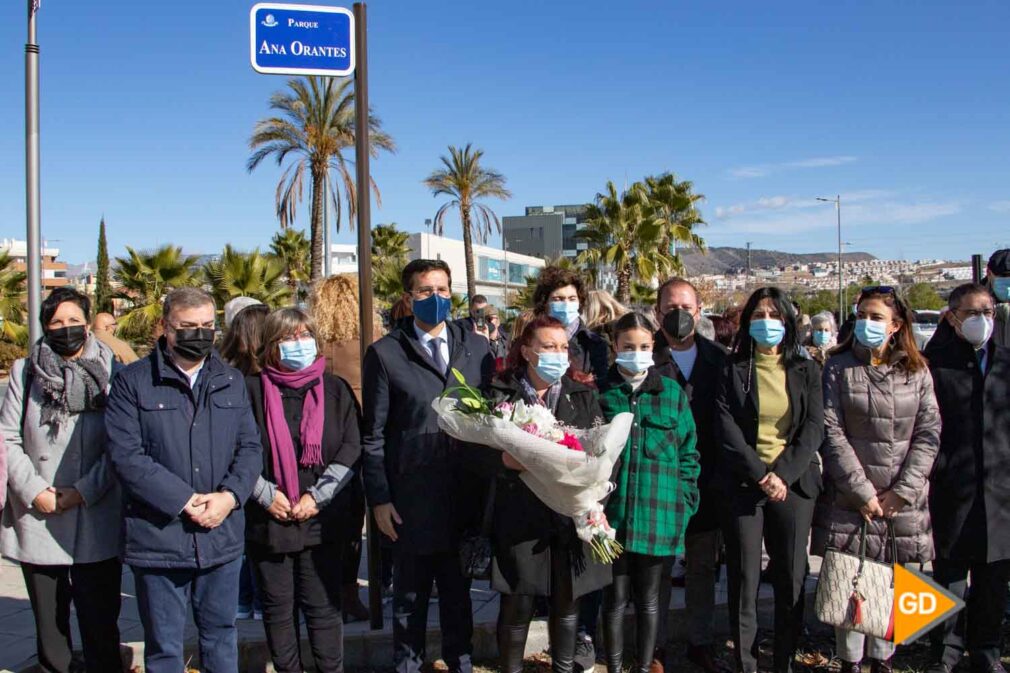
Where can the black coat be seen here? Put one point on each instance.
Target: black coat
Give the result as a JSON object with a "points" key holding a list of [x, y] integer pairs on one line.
{"points": [[407, 460], [701, 389], [969, 495], [798, 466], [341, 444], [525, 532], [588, 352]]}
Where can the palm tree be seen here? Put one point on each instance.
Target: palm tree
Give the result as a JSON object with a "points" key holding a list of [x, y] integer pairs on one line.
{"points": [[390, 242], [145, 278], [459, 302], [624, 231], [291, 249], [12, 301], [247, 274], [464, 180], [389, 255], [643, 295], [317, 126], [675, 204]]}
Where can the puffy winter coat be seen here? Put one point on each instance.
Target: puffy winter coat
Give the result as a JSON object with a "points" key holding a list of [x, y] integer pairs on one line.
{"points": [[882, 432]]}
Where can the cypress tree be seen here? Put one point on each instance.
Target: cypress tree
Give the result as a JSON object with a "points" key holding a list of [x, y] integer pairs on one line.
{"points": [[103, 290]]}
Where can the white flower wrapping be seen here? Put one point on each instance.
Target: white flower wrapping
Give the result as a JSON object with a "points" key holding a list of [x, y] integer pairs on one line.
{"points": [[572, 483]]}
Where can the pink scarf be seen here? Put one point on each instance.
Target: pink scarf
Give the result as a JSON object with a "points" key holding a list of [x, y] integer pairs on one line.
{"points": [[282, 448]]}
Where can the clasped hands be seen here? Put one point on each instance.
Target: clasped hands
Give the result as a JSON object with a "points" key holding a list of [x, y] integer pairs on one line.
{"points": [[209, 510], [886, 506], [57, 500], [303, 510], [773, 487]]}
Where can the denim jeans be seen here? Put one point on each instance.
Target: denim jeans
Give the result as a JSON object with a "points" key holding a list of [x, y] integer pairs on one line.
{"points": [[163, 596]]}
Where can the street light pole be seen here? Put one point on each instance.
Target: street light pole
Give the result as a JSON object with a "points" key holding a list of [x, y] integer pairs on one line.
{"points": [[841, 284], [33, 201]]}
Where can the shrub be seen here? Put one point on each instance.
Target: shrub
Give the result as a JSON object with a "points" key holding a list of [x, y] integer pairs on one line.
{"points": [[9, 352]]}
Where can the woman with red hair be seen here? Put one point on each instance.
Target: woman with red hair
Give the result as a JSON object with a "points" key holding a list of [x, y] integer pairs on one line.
{"points": [[536, 550]]}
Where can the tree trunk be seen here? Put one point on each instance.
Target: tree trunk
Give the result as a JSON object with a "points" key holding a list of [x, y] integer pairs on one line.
{"points": [[471, 277], [318, 180], [624, 286]]}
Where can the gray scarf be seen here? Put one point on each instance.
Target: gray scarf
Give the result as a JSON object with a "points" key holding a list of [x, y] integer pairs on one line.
{"points": [[70, 386], [530, 395]]}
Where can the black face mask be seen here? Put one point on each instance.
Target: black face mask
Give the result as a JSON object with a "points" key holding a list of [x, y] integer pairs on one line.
{"points": [[678, 323], [194, 343], [67, 341]]}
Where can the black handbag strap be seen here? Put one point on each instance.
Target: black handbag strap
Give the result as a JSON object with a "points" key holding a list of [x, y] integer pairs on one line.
{"points": [[485, 522], [891, 542]]}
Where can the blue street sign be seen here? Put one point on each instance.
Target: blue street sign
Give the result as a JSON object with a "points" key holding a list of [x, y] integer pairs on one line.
{"points": [[287, 39]]}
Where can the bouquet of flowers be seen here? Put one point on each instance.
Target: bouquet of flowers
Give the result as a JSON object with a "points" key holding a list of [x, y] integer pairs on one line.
{"points": [[568, 469]]}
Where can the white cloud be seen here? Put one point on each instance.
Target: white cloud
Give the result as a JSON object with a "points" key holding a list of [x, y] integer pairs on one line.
{"points": [[766, 203], [761, 170], [797, 216], [1000, 206]]}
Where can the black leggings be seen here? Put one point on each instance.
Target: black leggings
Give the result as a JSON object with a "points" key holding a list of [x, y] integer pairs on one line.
{"points": [[641, 576], [517, 610]]}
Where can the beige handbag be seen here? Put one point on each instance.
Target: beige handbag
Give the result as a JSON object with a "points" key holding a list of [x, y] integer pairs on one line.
{"points": [[855, 593]]}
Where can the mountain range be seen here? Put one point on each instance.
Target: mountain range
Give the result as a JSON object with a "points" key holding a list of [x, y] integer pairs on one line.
{"points": [[718, 261]]}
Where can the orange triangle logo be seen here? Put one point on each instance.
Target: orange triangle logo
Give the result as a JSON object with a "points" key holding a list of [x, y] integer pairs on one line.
{"points": [[919, 604]]}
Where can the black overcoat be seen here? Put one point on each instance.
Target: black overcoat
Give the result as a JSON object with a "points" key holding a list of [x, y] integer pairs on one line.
{"points": [[969, 495], [525, 532], [406, 459], [701, 390]]}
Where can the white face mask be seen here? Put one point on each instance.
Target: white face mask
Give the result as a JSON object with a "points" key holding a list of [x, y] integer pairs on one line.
{"points": [[977, 330]]}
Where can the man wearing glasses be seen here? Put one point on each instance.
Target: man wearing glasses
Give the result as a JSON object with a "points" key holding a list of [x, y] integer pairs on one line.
{"points": [[184, 444], [969, 495], [412, 470]]}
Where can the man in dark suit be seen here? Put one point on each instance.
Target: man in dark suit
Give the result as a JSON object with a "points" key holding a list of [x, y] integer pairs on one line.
{"points": [[695, 363], [969, 496], [412, 469]]}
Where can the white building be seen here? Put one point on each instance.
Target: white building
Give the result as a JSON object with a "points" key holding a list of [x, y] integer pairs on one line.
{"points": [[488, 263], [54, 273], [343, 258]]}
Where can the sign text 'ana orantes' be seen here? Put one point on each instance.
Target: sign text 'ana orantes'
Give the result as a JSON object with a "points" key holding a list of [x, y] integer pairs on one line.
{"points": [[290, 39]]}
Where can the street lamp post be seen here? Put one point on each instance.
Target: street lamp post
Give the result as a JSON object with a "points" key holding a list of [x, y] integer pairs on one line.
{"points": [[841, 286]]}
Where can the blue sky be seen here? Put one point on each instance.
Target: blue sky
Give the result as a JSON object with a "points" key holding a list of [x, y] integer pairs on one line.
{"points": [[901, 107]]}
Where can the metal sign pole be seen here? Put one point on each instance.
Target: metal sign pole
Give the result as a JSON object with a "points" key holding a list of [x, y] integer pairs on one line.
{"points": [[365, 269], [33, 201]]}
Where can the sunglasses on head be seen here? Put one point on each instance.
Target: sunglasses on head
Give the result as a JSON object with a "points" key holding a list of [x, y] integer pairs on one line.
{"points": [[877, 289]]}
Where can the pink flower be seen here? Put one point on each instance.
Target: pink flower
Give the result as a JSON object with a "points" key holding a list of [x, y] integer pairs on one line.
{"points": [[532, 428], [572, 442], [505, 408]]}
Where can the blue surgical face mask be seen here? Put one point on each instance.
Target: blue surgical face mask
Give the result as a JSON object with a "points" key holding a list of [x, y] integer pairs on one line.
{"points": [[298, 355], [821, 338], [551, 366], [635, 362], [871, 333], [433, 310], [565, 311], [767, 333], [1001, 287]]}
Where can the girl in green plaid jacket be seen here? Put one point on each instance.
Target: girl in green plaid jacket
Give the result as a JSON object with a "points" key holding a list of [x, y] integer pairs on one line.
{"points": [[656, 488]]}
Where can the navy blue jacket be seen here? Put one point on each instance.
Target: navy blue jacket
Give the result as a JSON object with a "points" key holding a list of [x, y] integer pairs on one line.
{"points": [[168, 442], [406, 459]]}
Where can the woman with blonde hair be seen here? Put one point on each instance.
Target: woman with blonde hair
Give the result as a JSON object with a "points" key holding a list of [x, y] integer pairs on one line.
{"points": [[336, 313]]}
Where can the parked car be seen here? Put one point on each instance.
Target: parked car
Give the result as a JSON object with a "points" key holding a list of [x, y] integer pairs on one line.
{"points": [[925, 326]]}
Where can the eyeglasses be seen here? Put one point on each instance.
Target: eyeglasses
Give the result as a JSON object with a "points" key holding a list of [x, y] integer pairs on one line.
{"points": [[298, 336], [973, 313], [428, 290], [191, 325]]}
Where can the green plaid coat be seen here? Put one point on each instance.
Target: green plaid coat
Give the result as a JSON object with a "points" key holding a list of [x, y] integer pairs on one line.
{"points": [[656, 478]]}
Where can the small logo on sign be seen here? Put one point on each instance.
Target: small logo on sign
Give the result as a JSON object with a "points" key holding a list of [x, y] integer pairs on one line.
{"points": [[269, 21]]}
